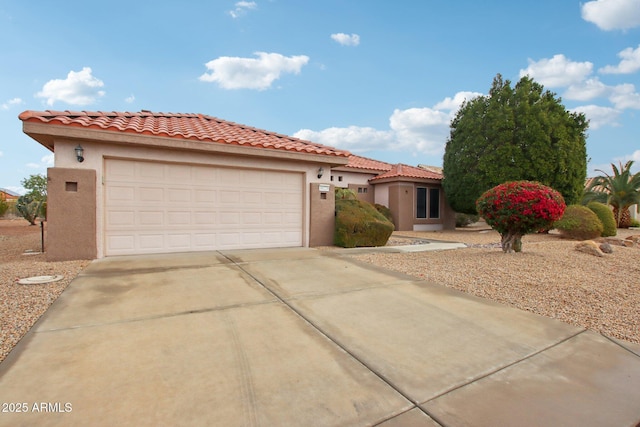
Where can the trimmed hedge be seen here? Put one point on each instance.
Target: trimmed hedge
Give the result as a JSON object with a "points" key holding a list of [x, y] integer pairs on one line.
{"points": [[605, 214], [358, 224], [384, 211], [579, 223]]}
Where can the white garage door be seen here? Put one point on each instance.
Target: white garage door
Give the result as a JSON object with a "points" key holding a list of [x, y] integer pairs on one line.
{"points": [[153, 207]]}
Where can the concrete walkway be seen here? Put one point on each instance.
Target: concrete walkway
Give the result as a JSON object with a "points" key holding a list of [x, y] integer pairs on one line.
{"points": [[300, 337]]}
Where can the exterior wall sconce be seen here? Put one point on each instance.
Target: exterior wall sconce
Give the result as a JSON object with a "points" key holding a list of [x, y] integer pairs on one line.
{"points": [[320, 173], [79, 153]]}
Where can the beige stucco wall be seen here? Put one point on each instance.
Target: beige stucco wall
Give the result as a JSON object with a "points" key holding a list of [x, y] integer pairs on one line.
{"points": [[95, 154], [71, 219], [322, 207], [402, 202], [349, 178]]}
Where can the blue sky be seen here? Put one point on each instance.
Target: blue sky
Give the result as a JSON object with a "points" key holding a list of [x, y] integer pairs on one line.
{"points": [[381, 79]]}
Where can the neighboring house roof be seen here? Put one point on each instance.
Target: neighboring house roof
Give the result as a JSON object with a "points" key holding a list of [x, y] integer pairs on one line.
{"points": [[359, 162], [197, 127], [436, 169], [400, 171], [9, 193], [589, 182]]}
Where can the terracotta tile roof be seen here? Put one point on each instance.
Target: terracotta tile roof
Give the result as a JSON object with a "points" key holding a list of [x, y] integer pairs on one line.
{"points": [[184, 126], [359, 162], [405, 171]]}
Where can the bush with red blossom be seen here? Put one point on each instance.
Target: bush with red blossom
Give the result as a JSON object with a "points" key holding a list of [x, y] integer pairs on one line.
{"points": [[517, 208]]}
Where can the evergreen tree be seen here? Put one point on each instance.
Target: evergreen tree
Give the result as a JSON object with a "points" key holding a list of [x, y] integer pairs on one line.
{"points": [[514, 133]]}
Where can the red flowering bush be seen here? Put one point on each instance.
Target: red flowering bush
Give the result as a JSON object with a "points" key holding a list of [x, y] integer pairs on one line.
{"points": [[517, 208]]}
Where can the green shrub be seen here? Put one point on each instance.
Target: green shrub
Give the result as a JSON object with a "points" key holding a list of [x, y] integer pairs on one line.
{"points": [[384, 211], [463, 220], [605, 214], [29, 208], [579, 223], [4, 206], [635, 223], [345, 194], [358, 224]]}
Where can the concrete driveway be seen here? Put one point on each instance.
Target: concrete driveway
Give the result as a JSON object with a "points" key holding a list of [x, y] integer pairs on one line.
{"points": [[300, 337]]}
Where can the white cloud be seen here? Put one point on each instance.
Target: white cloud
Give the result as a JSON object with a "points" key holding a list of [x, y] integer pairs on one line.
{"points": [[252, 73], [557, 71], [635, 157], [422, 130], [11, 102], [130, 99], [414, 130], [586, 90], [45, 162], [625, 96], [79, 88], [612, 14], [629, 63], [454, 103], [353, 138], [599, 116], [346, 39], [242, 7], [1, 153]]}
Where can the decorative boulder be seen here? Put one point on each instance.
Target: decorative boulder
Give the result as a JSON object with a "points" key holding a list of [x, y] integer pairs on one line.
{"points": [[589, 247], [632, 241], [606, 248]]}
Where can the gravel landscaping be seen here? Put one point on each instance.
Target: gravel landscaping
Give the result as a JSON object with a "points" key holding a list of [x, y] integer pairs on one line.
{"points": [[549, 277], [22, 305]]}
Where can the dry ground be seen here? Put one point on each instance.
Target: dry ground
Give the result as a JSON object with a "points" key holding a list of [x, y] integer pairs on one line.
{"points": [[22, 305], [547, 278]]}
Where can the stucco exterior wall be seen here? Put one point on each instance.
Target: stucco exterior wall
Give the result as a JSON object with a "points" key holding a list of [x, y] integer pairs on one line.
{"points": [[382, 194], [401, 205], [349, 178], [402, 202], [71, 219], [323, 206], [95, 154]]}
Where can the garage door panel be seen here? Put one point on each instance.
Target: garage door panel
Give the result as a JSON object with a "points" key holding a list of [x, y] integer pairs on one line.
{"points": [[150, 194], [120, 192], [151, 242], [163, 207], [205, 197], [150, 218]]}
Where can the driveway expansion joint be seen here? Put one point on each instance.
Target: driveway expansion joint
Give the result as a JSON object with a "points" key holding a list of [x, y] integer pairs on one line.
{"points": [[332, 340], [508, 365]]}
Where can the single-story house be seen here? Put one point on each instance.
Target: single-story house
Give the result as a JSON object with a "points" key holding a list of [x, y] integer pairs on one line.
{"points": [[413, 194], [136, 183]]}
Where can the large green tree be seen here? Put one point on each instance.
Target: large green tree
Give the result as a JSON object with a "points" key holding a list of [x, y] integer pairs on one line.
{"points": [[512, 134]]}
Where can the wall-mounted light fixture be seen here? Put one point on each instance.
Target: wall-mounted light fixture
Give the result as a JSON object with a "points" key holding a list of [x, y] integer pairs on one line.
{"points": [[79, 153], [320, 173]]}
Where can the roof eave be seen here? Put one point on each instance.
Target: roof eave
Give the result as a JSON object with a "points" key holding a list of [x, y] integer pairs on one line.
{"points": [[46, 134], [392, 179]]}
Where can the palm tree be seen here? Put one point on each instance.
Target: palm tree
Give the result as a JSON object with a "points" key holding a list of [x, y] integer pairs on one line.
{"points": [[620, 190]]}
